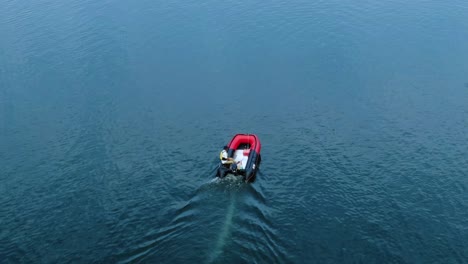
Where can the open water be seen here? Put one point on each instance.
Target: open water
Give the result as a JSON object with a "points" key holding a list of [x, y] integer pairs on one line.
{"points": [[113, 113]]}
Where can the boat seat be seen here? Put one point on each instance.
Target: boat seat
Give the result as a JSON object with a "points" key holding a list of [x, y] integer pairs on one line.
{"points": [[242, 156]]}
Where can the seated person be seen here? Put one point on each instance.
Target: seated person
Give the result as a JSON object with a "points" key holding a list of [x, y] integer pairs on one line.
{"points": [[223, 156], [226, 161]]}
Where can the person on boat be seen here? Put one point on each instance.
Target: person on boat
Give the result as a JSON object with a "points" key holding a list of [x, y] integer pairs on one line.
{"points": [[223, 156], [226, 161]]}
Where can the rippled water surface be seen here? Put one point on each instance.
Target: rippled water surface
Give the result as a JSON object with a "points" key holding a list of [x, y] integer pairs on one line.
{"points": [[113, 113]]}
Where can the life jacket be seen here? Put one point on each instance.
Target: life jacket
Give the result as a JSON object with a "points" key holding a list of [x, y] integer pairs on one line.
{"points": [[221, 156]]}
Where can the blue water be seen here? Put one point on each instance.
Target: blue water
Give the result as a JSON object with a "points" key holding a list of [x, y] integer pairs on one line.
{"points": [[113, 113]]}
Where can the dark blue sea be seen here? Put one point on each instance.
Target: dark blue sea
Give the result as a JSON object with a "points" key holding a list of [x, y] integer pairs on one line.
{"points": [[113, 114]]}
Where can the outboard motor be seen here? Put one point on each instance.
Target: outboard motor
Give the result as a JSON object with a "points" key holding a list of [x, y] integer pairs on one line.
{"points": [[222, 171]]}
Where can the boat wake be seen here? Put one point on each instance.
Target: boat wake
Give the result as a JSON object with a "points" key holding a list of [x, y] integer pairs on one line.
{"points": [[225, 231], [219, 197]]}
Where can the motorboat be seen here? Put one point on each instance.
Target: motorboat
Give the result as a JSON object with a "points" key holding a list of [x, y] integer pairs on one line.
{"points": [[244, 149]]}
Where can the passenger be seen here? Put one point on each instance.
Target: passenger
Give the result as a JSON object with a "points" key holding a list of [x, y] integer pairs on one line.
{"points": [[226, 161], [223, 156]]}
